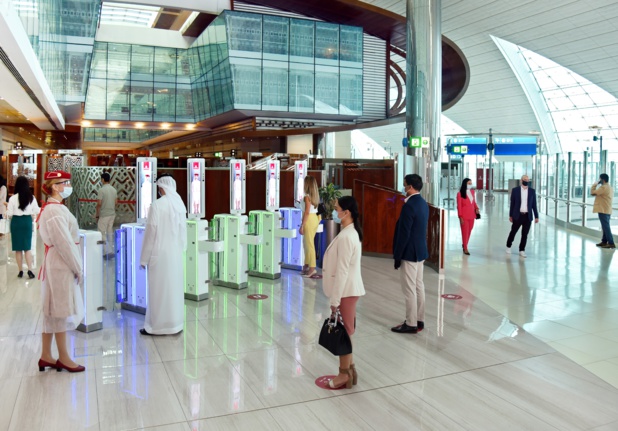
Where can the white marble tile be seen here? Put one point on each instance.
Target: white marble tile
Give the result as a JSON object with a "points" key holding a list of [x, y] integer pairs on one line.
{"points": [[19, 356], [551, 331], [115, 347], [319, 362], [329, 414], [57, 401], [19, 320], [612, 426], [535, 384], [10, 388], [239, 334], [597, 347], [471, 407], [136, 396], [276, 378], [193, 342], [220, 305], [182, 426], [606, 370], [256, 421], [395, 408], [208, 387]]}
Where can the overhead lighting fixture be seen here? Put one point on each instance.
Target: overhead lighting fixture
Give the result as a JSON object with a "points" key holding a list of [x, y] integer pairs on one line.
{"points": [[190, 126], [86, 123], [139, 125], [165, 125], [113, 124]]}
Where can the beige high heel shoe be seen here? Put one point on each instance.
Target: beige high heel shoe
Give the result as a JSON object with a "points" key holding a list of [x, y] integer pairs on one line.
{"points": [[354, 374], [347, 383]]}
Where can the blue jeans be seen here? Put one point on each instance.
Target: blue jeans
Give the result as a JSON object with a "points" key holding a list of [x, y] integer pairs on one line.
{"points": [[607, 231]]}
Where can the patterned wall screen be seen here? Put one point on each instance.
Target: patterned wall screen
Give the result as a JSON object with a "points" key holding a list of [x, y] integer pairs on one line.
{"points": [[86, 183]]}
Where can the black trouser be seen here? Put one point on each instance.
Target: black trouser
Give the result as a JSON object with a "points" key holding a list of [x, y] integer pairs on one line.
{"points": [[521, 221]]}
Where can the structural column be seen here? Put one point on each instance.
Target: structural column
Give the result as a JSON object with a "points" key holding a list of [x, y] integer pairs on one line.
{"points": [[424, 90]]}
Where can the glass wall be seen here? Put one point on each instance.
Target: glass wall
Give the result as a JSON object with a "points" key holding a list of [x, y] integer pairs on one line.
{"points": [[93, 134], [241, 61], [564, 184], [62, 35]]}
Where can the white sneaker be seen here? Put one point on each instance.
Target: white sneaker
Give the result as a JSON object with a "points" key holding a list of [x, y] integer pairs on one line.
{"points": [[508, 250], [522, 254]]}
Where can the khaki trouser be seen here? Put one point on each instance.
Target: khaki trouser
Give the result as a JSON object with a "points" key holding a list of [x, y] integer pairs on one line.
{"points": [[106, 227], [414, 291]]}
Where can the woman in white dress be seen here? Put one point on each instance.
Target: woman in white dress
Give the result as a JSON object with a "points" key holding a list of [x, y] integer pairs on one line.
{"points": [[61, 273]]}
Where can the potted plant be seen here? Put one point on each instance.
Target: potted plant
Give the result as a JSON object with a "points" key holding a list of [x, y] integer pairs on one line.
{"points": [[328, 195]]}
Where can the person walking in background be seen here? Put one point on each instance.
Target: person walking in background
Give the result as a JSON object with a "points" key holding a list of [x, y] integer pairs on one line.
{"points": [[3, 205], [342, 282], [603, 196], [467, 210], [523, 204], [22, 206], [309, 224], [106, 213], [410, 252], [61, 273]]}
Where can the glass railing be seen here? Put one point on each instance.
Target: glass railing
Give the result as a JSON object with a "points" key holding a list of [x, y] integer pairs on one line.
{"points": [[564, 183]]}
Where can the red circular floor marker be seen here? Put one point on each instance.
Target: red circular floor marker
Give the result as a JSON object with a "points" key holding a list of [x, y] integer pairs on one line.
{"points": [[322, 382], [257, 296], [316, 276], [451, 296]]}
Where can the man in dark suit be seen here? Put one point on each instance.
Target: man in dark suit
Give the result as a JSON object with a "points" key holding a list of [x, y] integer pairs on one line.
{"points": [[523, 204], [410, 251]]}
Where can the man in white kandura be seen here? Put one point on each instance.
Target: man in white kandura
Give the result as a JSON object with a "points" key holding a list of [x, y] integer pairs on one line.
{"points": [[165, 240]]}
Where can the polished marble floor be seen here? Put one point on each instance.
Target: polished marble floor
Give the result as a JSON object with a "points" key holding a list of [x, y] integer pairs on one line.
{"points": [[532, 344]]}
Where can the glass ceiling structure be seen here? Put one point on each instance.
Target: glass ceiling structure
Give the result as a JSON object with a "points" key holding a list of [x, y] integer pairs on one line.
{"points": [[571, 110], [129, 14]]}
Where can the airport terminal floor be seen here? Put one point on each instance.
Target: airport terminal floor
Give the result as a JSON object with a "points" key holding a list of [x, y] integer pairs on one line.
{"points": [[532, 344]]}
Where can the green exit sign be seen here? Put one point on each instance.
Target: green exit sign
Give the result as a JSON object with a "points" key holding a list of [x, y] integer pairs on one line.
{"points": [[415, 141]]}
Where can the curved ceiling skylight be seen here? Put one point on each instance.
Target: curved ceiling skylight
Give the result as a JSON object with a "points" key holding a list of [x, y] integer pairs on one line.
{"points": [[578, 108], [129, 14]]}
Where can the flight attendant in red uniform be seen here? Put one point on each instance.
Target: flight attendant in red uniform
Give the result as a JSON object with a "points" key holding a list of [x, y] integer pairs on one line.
{"points": [[467, 211]]}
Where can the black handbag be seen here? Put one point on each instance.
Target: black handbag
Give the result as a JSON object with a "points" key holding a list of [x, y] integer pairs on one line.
{"points": [[334, 337], [478, 216]]}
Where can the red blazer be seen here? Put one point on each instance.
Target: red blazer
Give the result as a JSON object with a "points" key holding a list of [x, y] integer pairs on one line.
{"points": [[465, 208]]}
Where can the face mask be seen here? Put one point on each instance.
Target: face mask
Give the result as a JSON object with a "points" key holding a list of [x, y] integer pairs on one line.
{"points": [[66, 192], [525, 183], [336, 218], [469, 186]]}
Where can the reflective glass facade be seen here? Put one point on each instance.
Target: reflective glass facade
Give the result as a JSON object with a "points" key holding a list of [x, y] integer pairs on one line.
{"points": [[62, 35], [92, 134], [241, 61]]}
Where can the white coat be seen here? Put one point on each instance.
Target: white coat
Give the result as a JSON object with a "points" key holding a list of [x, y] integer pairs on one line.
{"points": [[342, 267], [63, 304], [163, 251]]}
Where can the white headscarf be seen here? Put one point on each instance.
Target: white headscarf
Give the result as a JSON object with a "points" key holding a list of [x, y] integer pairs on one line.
{"points": [[168, 184]]}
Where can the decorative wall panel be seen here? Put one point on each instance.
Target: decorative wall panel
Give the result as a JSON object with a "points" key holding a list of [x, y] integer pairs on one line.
{"points": [[86, 184]]}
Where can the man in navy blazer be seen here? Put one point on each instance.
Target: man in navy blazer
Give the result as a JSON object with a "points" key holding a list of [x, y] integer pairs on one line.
{"points": [[523, 204], [410, 251]]}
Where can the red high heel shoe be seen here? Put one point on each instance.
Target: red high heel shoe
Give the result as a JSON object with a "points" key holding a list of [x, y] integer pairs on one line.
{"points": [[44, 364], [60, 366]]}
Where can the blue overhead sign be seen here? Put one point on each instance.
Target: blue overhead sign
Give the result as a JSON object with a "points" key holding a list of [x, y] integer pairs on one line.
{"points": [[515, 145], [467, 146]]}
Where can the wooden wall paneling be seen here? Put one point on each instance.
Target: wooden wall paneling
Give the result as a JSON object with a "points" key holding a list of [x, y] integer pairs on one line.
{"points": [[180, 176], [256, 190], [217, 192], [380, 211]]}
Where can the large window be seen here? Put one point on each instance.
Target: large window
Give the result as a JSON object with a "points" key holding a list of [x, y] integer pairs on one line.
{"points": [[241, 61]]}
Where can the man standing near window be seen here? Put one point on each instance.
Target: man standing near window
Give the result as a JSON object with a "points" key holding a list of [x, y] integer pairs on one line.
{"points": [[106, 213], [603, 196], [523, 204]]}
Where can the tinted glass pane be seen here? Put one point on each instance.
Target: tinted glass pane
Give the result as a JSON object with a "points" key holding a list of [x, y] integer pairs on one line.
{"points": [[302, 40]]}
